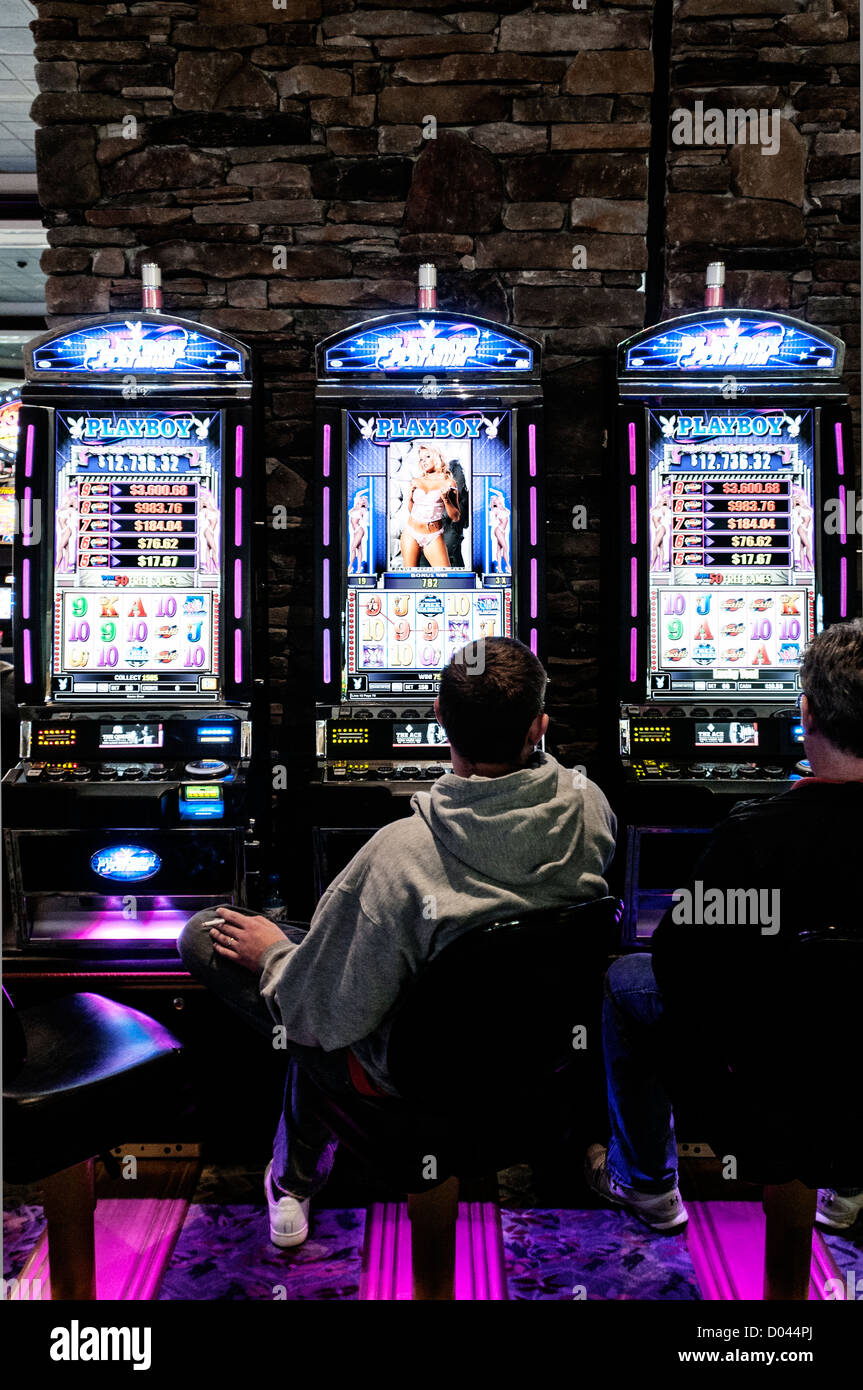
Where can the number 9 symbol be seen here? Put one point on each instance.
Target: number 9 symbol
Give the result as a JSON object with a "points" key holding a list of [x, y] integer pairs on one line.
{"points": [[675, 630]]}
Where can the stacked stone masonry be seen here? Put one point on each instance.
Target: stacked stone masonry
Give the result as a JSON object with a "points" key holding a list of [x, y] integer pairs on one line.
{"points": [[346, 143]]}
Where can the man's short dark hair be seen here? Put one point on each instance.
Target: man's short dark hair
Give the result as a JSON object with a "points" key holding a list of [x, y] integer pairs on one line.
{"points": [[490, 694], [832, 679]]}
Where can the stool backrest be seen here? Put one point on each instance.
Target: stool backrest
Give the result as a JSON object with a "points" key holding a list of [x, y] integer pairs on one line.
{"points": [[505, 1006], [785, 1097]]}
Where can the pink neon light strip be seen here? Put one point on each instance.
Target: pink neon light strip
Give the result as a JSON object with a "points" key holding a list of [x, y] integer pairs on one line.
{"points": [[238, 516], [326, 600], [238, 657], [531, 449], [533, 516], [370, 1276], [632, 447], [633, 587], [328, 664], [28, 658], [238, 452], [326, 536], [238, 588], [843, 587], [150, 926], [27, 517], [326, 451], [533, 588], [402, 1256], [840, 451], [28, 451], [25, 588], [633, 515], [534, 641], [843, 532], [633, 646]]}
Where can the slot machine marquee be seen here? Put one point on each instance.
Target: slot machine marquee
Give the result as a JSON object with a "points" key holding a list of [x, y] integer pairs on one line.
{"points": [[134, 800], [735, 467], [429, 528]]}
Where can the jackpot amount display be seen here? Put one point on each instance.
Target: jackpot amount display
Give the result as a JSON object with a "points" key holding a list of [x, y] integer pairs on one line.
{"points": [[140, 630], [742, 628], [117, 524], [737, 523], [420, 631]]}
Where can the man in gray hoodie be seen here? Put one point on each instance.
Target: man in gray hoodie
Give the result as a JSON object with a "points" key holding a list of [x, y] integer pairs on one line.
{"points": [[507, 831]]}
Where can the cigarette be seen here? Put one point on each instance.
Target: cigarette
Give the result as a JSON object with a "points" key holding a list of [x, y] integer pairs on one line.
{"points": [[215, 922]]}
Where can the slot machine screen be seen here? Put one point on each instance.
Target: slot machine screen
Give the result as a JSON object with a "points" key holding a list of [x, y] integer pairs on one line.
{"points": [[8, 512], [137, 554], [731, 550], [10, 405], [428, 544]]}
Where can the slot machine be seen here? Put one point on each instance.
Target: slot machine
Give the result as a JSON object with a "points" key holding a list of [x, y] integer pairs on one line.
{"points": [[10, 404], [735, 472], [135, 800], [429, 535]]}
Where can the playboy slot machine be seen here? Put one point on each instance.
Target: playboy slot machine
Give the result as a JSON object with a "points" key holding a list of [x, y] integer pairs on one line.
{"points": [[429, 537], [135, 800], [735, 473]]}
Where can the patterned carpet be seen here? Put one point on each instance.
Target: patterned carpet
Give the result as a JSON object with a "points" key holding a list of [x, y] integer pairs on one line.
{"points": [[553, 1254]]}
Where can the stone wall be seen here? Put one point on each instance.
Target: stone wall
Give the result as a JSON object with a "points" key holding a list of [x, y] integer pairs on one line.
{"points": [[786, 224], [509, 144]]}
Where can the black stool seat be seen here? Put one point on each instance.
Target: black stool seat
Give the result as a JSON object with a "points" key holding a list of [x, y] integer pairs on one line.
{"points": [[92, 1067]]}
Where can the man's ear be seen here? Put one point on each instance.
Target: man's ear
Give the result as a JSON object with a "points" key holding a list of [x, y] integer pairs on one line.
{"points": [[437, 710], [536, 732]]}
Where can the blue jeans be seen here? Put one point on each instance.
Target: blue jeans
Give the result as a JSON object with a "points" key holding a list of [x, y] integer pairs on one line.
{"points": [[642, 1151], [304, 1148]]}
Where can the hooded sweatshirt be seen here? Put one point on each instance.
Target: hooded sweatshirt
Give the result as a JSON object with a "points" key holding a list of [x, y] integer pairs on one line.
{"points": [[474, 849]]}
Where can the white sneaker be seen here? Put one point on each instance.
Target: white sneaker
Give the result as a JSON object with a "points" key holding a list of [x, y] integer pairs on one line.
{"points": [[289, 1216], [835, 1212], [661, 1211]]}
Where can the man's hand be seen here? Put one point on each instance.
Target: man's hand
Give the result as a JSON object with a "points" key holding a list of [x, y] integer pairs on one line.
{"points": [[244, 939]]}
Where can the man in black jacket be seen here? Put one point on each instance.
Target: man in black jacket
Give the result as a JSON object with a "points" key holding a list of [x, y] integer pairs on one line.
{"points": [[772, 870]]}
